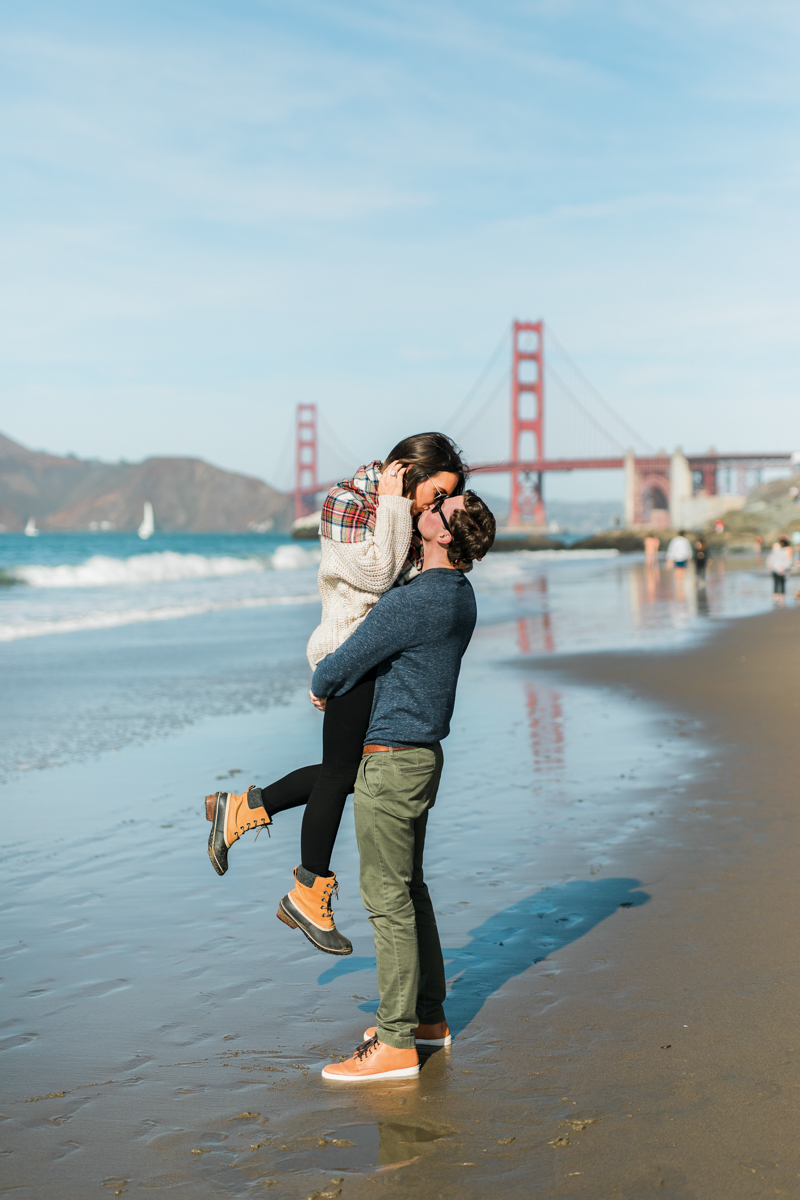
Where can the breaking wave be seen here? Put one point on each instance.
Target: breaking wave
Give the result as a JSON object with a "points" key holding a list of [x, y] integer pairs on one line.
{"points": [[293, 558], [166, 566]]}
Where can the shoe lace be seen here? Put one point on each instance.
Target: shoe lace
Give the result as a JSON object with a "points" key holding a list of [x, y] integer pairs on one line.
{"points": [[367, 1047], [330, 890], [257, 825]]}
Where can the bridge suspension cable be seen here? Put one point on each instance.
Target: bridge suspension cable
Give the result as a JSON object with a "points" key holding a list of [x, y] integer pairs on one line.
{"points": [[501, 385], [551, 337], [551, 372], [331, 442], [284, 464], [478, 384]]}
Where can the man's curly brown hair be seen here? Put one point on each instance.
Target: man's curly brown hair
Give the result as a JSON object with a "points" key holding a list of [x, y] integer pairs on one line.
{"points": [[473, 528]]}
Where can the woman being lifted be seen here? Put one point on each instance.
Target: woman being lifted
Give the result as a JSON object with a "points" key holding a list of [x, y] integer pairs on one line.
{"points": [[369, 544]]}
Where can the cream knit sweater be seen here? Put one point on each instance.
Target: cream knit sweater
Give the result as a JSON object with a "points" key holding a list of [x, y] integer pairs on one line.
{"points": [[354, 575]]}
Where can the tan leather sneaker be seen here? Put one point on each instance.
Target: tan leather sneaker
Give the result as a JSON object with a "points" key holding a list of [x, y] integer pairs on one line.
{"points": [[307, 907], [230, 817], [372, 1061], [424, 1035]]}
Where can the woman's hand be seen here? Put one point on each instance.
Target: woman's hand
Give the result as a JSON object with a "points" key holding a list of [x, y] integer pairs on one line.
{"points": [[391, 481], [315, 700]]}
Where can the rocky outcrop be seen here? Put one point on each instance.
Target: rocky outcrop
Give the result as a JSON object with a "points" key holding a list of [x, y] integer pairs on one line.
{"points": [[187, 494], [771, 509]]}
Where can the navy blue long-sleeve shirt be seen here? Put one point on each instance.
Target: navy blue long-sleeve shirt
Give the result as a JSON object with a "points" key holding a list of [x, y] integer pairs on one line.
{"points": [[416, 635]]}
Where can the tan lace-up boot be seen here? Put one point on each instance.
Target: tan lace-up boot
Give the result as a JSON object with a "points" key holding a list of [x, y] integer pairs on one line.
{"points": [[308, 908], [231, 816]]}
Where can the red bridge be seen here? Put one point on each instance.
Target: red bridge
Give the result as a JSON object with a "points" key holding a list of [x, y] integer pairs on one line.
{"points": [[660, 490]]}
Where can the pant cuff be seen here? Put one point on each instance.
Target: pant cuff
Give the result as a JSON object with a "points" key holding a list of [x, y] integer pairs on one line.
{"points": [[432, 1017], [399, 1043]]}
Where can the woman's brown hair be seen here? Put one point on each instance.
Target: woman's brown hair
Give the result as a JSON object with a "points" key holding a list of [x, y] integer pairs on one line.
{"points": [[426, 454]]}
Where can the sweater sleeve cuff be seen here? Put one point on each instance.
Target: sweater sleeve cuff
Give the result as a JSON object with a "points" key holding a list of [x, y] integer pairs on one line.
{"points": [[318, 681], [393, 518]]}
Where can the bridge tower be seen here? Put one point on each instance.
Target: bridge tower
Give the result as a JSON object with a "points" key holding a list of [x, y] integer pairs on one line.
{"points": [[306, 460], [527, 417]]}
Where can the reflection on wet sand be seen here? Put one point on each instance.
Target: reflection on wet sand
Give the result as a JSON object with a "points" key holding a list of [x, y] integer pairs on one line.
{"points": [[543, 704], [659, 596], [357, 1147], [546, 725]]}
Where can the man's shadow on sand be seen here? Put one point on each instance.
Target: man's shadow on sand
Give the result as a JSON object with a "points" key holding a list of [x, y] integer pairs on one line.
{"points": [[516, 938]]}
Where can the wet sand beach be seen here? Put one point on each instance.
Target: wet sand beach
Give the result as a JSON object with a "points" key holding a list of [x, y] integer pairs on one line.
{"points": [[613, 860]]}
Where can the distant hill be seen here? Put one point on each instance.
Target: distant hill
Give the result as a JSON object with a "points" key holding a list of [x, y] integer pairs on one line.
{"points": [[187, 494]]}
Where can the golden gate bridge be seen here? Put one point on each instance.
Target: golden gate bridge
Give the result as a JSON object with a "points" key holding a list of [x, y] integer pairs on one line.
{"points": [[661, 490]]}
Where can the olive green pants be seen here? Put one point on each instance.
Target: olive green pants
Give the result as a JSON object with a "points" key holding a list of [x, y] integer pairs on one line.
{"points": [[393, 793]]}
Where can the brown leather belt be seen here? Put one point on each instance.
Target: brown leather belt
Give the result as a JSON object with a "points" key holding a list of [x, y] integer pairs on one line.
{"points": [[376, 749]]}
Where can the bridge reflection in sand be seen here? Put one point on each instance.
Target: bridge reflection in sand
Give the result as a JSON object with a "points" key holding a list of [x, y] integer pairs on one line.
{"points": [[543, 703]]}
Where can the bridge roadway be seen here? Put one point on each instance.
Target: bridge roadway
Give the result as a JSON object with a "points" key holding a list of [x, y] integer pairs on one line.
{"points": [[617, 464], [544, 465]]}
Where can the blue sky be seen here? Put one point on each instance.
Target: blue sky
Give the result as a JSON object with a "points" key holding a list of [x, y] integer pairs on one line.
{"points": [[212, 211]]}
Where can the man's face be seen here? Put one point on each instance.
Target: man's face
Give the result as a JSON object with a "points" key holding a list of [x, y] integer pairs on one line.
{"points": [[430, 523]]}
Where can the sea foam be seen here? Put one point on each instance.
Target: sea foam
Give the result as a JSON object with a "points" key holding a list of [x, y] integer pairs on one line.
{"points": [[165, 566]]}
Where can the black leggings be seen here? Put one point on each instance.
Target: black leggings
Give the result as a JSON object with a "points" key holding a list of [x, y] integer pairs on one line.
{"points": [[324, 788], [778, 584]]}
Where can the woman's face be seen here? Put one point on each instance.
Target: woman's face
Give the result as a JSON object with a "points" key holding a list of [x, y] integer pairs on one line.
{"points": [[428, 491]]}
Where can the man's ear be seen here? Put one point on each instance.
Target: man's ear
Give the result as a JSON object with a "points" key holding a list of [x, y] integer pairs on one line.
{"points": [[444, 538]]}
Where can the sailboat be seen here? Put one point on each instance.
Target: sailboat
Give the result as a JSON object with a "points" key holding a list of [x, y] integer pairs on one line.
{"points": [[147, 527], [30, 528]]}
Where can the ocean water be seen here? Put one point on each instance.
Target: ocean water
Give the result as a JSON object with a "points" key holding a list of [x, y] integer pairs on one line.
{"points": [[67, 583], [208, 625], [63, 583]]}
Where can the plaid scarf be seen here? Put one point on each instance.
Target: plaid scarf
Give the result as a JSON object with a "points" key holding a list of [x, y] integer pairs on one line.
{"points": [[350, 511]]}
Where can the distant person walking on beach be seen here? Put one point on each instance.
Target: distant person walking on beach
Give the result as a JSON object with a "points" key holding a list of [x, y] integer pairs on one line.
{"points": [[679, 551], [651, 548], [701, 554], [369, 543], [779, 561], [416, 637]]}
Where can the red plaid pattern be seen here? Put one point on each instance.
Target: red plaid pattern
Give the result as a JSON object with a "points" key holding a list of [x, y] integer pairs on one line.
{"points": [[350, 509]]}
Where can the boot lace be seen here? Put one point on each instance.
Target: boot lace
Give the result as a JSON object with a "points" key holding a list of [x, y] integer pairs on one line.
{"points": [[330, 890], [257, 825]]}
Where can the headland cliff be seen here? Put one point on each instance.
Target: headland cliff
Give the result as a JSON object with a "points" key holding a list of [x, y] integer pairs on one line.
{"points": [[187, 494]]}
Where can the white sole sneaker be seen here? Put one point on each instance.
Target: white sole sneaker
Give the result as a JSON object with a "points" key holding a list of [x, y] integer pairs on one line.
{"points": [[401, 1073]]}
